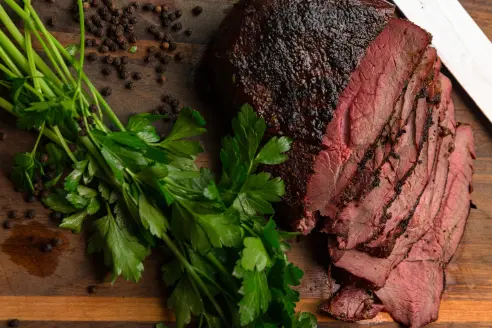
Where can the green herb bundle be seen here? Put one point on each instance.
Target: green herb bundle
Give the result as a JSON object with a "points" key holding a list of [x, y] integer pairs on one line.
{"points": [[136, 191]]}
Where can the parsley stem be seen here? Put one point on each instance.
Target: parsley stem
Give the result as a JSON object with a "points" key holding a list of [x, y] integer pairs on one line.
{"points": [[64, 144], [13, 68], [41, 131]]}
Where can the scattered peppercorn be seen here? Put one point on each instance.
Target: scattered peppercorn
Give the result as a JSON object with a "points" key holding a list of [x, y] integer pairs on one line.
{"points": [[3, 136], [91, 289], [57, 216], [179, 56], [7, 224], [123, 45], [133, 20], [52, 21], [106, 70], [88, 42], [161, 79], [159, 36], [47, 248], [90, 120], [31, 199], [104, 49], [166, 59], [108, 59], [99, 32], [56, 242], [93, 108], [14, 214], [117, 62], [124, 21], [197, 10], [44, 158], [122, 67], [72, 148], [166, 22], [172, 46], [96, 42], [151, 49], [160, 69], [95, 3], [149, 59], [13, 323], [83, 133], [124, 60], [171, 17], [158, 9], [168, 37], [106, 92], [92, 56], [130, 10], [152, 29], [165, 8], [30, 214], [165, 45], [135, 5], [115, 20], [148, 7], [130, 28], [137, 76], [174, 102], [189, 32], [130, 85], [159, 54], [132, 38], [124, 75]]}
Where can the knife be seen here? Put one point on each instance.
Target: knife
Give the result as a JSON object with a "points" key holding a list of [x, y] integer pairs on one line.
{"points": [[463, 47]]}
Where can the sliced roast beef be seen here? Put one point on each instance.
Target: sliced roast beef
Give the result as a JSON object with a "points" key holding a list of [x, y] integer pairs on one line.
{"points": [[352, 304], [376, 270], [413, 291]]}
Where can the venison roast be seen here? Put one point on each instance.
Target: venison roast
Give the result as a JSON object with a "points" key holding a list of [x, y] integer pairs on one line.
{"points": [[378, 161]]}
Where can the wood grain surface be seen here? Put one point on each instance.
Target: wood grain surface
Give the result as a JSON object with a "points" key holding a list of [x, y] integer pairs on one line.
{"points": [[50, 290]]}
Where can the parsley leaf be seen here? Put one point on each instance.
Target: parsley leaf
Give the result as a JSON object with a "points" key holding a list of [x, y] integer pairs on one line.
{"points": [[256, 296], [74, 222], [254, 255], [72, 180], [274, 151], [58, 203], [151, 217], [185, 300]]}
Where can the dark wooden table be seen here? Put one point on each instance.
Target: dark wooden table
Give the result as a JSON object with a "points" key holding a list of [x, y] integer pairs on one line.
{"points": [[50, 290]]}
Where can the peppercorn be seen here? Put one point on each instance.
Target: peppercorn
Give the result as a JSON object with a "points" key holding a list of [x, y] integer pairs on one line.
{"points": [[124, 45], [96, 42], [160, 69], [149, 59], [130, 10], [91, 289], [106, 17], [168, 37], [130, 85], [171, 17], [118, 12], [31, 199], [72, 148], [95, 3], [57, 216], [106, 92], [99, 32], [137, 76], [124, 75], [106, 70], [166, 59], [165, 45], [130, 28], [52, 21], [3, 136], [158, 9], [7, 224], [47, 248], [133, 20], [174, 102], [56, 242], [90, 120], [159, 36], [161, 79], [179, 56], [30, 214], [166, 22], [172, 46], [120, 29], [115, 20], [44, 158], [135, 5], [159, 54], [13, 323], [124, 21], [122, 67], [88, 42], [167, 99], [197, 10], [132, 38], [14, 214], [189, 32], [148, 7], [124, 60], [83, 133], [165, 8], [151, 49], [178, 13]]}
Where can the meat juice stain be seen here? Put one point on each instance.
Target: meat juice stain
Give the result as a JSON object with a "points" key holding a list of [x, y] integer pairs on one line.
{"points": [[25, 248]]}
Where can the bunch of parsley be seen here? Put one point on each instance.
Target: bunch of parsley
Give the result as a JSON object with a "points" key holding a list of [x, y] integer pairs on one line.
{"points": [[135, 190]]}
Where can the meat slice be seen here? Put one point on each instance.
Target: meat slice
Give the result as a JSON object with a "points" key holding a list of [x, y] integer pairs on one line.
{"points": [[375, 271], [413, 291], [352, 304], [322, 72]]}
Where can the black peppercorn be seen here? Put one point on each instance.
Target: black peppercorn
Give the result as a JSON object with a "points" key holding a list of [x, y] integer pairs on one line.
{"points": [[124, 74], [106, 92], [30, 214], [72, 148], [166, 59], [57, 216], [166, 22], [95, 3], [175, 109], [90, 120], [151, 49], [122, 67], [124, 20], [171, 17], [167, 99], [159, 54], [132, 38], [130, 10], [108, 59], [153, 29], [44, 158], [172, 46], [120, 29], [99, 32], [159, 36], [178, 13], [3, 136], [174, 102], [117, 62], [7, 224], [148, 7], [47, 248], [158, 9], [133, 20], [92, 56], [108, 42], [106, 70], [107, 17], [161, 79], [137, 76], [31, 199], [14, 214], [160, 69], [168, 37], [96, 42], [88, 42], [83, 133], [135, 5], [124, 45], [115, 20], [52, 21], [197, 10], [13, 323], [56, 242], [104, 49], [91, 289], [130, 85], [130, 28], [149, 59], [189, 32], [124, 60], [179, 56]]}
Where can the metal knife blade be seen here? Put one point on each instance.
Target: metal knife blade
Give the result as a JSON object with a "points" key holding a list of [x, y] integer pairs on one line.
{"points": [[463, 47]]}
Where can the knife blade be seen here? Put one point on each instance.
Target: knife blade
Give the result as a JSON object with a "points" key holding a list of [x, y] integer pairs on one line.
{"points": [[463, 47]]}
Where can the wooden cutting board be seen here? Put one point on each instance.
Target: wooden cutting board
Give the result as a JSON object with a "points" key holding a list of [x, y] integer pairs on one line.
{"points": [[50, 290]]}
